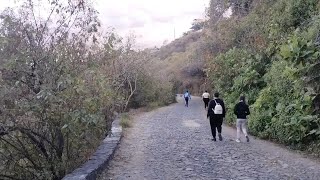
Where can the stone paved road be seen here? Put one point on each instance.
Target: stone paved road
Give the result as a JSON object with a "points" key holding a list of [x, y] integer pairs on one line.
{"points": [[174, 143]]}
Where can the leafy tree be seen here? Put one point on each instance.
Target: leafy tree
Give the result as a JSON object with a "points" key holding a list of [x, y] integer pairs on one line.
{"points": [[61, 83]]}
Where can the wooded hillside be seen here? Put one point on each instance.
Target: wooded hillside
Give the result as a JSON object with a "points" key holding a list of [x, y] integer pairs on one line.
{"points": [[268, 51]]}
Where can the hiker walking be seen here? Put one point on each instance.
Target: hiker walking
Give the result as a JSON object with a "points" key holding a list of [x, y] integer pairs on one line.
{"points": [[187, 97], [216, 113], [206, 99], [241, 109]]}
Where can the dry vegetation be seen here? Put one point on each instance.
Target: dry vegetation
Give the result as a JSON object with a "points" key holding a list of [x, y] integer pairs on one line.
{"points": [[61, 82], [183, 60]]}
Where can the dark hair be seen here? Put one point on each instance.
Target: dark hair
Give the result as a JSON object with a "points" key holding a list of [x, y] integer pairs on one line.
{"points": [[216, 94], [242, 98], [206, 91]]}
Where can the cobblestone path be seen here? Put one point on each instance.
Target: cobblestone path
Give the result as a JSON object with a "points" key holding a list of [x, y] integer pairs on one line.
{"points": [[174, 142]]}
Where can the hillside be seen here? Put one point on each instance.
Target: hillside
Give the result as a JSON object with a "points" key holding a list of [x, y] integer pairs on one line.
{"points": [[269, 51], [183, 60], [178, 45], [266, 50]]}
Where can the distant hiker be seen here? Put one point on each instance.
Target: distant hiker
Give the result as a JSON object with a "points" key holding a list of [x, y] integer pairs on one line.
{"points": [[206, 99], [242, 110], [187, 97], [216, 112]]}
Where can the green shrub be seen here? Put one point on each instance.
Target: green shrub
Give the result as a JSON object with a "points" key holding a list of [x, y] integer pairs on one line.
{"points": [[272, 55], [283, 110], [238, 72], [125, 120]]}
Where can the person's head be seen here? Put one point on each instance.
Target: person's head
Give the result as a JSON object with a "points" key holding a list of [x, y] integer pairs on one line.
{"points": [[216, 94], [242, 98], [187, 91], [206, 91]]}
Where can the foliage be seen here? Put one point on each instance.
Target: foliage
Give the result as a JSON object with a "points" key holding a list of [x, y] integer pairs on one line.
{"points": [[269, 51], [237, 72], [61, 82], [125, 121], [198, 25], [287, 119]]}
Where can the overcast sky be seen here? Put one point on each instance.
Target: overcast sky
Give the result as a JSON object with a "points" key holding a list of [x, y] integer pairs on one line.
{"points": [[153, 21]]}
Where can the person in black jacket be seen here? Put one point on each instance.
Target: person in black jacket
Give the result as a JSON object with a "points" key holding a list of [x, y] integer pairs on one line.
{"points": [[242, 111], [216, 112]]}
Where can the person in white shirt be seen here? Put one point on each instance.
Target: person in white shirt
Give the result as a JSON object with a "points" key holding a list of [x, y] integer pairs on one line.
{"points": [[187, 97], [206, 99]]}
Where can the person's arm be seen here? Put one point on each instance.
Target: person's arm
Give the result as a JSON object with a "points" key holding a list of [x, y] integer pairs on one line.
{"points": [[224, 108], [248, 111], [236, 109], [210, 108]]}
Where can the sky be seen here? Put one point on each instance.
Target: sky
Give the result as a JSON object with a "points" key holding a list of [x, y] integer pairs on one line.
{"points": [[152, 21]]}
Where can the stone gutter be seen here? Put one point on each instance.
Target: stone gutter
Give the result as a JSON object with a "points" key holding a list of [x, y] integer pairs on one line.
{"points": [[99, 161]]}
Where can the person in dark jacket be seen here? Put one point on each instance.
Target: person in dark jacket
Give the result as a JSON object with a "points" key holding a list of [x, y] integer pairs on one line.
{"points": [[216, 113], [242, 111]]}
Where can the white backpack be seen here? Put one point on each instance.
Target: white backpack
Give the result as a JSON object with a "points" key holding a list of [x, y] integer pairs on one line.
{"points": [[218, 108]]}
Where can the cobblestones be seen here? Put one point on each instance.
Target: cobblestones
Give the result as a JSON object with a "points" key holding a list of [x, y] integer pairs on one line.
{"points": [[174, 143]]}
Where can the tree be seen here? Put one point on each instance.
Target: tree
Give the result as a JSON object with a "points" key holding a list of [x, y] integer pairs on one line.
{"points": [[43, 105], [61, 83], [197, 24]]}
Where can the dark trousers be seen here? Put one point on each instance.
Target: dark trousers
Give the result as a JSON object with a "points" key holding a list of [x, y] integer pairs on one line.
{"points": [[187, 101], [216, 124], [206, 102]]}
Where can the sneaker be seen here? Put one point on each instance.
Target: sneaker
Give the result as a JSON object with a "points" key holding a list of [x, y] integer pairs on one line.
{"points": [[247, 137], [238, 140], [214, 139], [220, 137]]}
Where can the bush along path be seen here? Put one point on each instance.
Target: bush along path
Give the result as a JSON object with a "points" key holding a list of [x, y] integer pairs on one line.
{"points": [[174, 142]]}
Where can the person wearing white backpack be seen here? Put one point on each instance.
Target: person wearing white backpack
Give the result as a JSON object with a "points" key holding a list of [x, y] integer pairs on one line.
{"points": [[216, 113]]}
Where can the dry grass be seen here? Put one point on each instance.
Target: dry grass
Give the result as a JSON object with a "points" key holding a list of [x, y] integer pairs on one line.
{"points": [[125, 120]]}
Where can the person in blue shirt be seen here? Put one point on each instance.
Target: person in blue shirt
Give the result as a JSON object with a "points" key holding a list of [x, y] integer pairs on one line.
{"points": [[187, 97]]}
